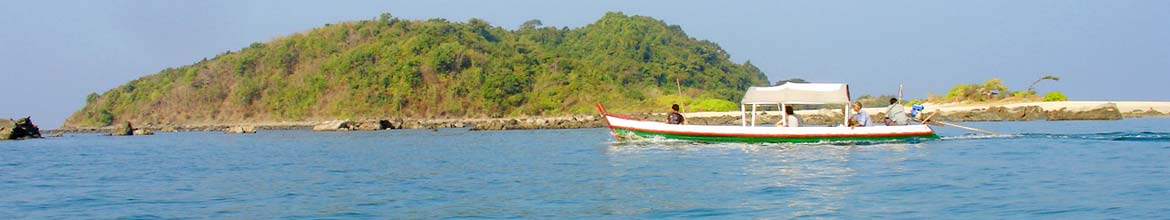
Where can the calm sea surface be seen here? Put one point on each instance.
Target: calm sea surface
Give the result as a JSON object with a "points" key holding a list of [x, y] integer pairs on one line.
{"points": [[1042, 170]]}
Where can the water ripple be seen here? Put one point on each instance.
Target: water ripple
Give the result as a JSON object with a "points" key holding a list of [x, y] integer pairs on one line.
{"points": [[1037, 173]]}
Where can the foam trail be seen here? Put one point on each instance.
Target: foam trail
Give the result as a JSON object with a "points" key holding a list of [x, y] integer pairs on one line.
{"points": [[1144, 136], [981, 136]]}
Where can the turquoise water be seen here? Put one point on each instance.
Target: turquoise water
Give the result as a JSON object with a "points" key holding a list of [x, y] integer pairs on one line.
{"points": [[1041, 170]]}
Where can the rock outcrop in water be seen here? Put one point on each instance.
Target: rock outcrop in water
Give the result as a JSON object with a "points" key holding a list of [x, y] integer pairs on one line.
{"points": [[22, 128], [366, 125], [240, 130], [994, 113], [1107, 111], [143, 131], [337, 125], [1151, 112], [540, 123], [126, 129]]}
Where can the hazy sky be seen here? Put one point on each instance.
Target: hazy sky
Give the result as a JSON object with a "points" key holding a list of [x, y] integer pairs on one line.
{"points": [[54, 53]]}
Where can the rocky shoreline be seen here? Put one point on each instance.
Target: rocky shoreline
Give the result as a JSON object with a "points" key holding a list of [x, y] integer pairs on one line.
{"points": [[525, 123], [1099, 111]]}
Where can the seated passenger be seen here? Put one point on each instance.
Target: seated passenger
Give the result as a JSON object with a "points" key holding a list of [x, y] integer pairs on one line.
{"points": [[895, 114], [674, 117], [791, 121], [860, 118]]}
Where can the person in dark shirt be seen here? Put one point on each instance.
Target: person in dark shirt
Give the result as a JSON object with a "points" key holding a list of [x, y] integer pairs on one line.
{"points": [[674, 117]]}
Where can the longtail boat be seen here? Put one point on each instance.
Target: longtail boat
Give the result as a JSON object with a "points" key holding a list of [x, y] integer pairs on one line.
{"points": [[778, 96]]}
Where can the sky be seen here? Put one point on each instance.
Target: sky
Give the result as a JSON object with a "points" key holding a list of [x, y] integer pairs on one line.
{"points": [[54, 53]]}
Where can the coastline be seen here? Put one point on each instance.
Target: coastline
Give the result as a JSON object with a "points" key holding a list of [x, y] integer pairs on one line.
{"points": [[1067, 110], [514, 123]]}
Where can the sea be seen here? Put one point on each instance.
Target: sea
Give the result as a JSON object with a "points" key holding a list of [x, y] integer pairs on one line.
{"points": [[1032, 170]]}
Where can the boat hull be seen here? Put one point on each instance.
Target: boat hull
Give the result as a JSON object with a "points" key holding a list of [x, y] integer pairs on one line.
{"points": [[627, 127]]}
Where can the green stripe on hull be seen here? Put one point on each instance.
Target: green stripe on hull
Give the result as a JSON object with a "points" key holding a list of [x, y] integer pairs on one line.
{"points": [[626, 132]]}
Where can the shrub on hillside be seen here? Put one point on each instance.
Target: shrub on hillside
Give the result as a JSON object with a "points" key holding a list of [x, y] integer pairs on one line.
{"points": [[714, 105]]}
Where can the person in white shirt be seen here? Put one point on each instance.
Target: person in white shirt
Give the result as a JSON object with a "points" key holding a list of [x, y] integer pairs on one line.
{"points": [[792, 121], [896, 114]]}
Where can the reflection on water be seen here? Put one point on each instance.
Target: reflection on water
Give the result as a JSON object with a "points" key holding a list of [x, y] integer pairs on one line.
{"points": [[814, 180], [776, 180]]}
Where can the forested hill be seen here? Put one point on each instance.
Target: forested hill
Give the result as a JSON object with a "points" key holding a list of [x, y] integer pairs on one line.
{"points": [[391, 67]]}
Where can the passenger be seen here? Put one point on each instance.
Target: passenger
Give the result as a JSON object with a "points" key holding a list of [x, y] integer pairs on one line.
{"points": [[674, 118], [895, 114], [860, 117], [793, 119]]}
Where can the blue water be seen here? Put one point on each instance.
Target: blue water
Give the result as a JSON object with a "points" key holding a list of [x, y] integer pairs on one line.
{"points": [[1039, 170]]}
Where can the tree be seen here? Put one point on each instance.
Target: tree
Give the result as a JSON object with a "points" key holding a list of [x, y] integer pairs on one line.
{"points": [[990, 89], [1055, 96], [92, 97], [531, 24], [993, 87], [795, 80], [385, 17], [1032, 88]]}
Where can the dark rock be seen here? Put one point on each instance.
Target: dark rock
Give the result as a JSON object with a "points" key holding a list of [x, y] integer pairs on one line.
{"points": [[397, 123], [22, 128], [126, 129]]}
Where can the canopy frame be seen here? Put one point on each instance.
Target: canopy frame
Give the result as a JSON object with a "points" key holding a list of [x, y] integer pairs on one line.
{"points": [[794, 93]]}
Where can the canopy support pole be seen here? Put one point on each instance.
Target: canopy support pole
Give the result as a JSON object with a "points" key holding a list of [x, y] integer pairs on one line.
{"points": [[754, 115], [742, 115], [781, 107], [848, 111]]}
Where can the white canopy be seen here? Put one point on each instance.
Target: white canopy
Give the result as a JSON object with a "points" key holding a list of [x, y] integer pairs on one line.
{"points": [[798, 93]]}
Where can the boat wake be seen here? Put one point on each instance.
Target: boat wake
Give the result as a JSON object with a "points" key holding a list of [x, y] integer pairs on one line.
{"points": [[1106, 136], [659, 141], [634, 140], [981, 136]]}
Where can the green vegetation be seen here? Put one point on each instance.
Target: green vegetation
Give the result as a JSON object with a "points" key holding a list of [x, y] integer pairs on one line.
{"points": [[1055, 96], [714, 105], [869, 101], [990, 90], [391, 67], [994, 90]]}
